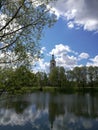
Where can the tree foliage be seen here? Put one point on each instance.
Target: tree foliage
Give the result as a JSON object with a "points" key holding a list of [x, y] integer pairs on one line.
{"points": [[12, 80], [83, 76], [41, 79], [57, 77], [21, 26]]}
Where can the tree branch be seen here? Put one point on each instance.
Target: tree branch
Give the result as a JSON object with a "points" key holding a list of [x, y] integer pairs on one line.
{"points": [[26, 26], [11, 18], [9, 44]]}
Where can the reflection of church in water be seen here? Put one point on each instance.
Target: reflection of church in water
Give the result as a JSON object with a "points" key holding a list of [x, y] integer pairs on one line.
{"points": [[52, 63]]}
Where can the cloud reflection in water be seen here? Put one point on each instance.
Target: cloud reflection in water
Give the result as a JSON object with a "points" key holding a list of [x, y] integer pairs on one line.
{"points": [[48, 111]]}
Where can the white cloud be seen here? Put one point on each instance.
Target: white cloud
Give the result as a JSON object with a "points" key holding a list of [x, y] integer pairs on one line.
{"points": [[60, 49], [83, 55], [70, 24], [68, 62], [42, 50], [42, 66], [94, 61], [80, 13]]}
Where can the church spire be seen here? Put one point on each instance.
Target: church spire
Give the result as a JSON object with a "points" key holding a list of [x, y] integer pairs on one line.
{"points": [[52, 63], [52, 56]]}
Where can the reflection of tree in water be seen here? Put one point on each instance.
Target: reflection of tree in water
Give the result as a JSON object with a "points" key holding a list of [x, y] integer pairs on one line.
{"points": [[41, 99], [77, 107], [55, 109], [64, 111], [16, 103], [20, 106], [85, 106]]}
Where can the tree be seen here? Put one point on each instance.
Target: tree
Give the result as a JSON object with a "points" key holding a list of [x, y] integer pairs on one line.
{"points": [[23, 77], [21, 26], [83, 76], [53, 77], [70, 78], [14, 80], [96, 75], [6, 75], [41, 79], [83, 73], [78, 76], [62, 77], [2, 79], [92, 75], [57, 77]]}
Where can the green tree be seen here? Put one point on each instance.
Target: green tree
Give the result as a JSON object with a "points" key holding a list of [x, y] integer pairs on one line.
{"points": [[21, 26], [24, 77], [5, 75], [70, 78], [57, 77], [41, 79], [2, 80], [78, 76], [96, 75], [53, 77], [92, 75], [45, 81], [21, 77], [83, 76], [62, 77]]}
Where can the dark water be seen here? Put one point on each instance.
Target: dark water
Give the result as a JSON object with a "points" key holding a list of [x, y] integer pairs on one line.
{"points": [[45, 111]]}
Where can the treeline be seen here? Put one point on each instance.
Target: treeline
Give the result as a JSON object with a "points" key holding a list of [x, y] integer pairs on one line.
{"points": [[23, 79], [83, 77], [79, 77]]}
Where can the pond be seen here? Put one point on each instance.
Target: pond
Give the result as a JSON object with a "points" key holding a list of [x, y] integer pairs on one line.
{"points": [[49, 111]]}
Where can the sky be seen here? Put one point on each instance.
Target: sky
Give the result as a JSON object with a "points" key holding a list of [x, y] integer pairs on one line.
{"points": [[74, 37]]}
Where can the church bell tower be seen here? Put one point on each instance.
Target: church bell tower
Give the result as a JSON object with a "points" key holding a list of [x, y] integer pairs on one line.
{"points": [[52, 63]]}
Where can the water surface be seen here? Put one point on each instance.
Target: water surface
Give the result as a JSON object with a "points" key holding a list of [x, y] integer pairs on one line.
{"points": [[49, 111]]}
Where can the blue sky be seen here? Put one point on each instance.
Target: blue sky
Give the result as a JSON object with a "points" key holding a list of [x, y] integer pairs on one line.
{"points": [[74, 37]]}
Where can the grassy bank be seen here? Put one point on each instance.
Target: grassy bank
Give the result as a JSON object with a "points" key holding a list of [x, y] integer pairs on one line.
{"points": [[53, 89], [70, 90]]}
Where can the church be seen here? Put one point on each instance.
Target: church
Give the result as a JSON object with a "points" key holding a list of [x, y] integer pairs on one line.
{"points": [[52, 63]]}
